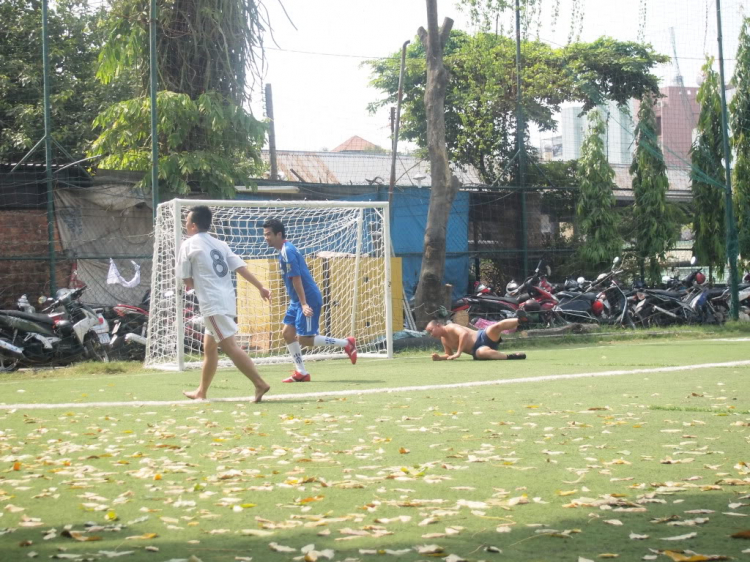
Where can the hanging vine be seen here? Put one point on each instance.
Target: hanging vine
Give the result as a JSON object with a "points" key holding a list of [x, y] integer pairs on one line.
{"points": [[555, 15], [576, 21], [642, 10], [489, 14]]}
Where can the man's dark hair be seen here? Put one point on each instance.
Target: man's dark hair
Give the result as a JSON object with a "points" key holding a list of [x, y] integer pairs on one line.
{"points": [[276, 226], [202, 217]]}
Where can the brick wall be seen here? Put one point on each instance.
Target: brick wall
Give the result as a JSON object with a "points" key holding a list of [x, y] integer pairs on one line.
{"points": [[23, 233]]}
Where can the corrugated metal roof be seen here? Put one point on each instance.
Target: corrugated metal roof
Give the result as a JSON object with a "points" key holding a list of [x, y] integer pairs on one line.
{"points": [[375, 169], [357, 169]]}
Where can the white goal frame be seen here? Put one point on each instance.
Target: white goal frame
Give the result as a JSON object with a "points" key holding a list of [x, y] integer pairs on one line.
{"points": [[164, 286]]}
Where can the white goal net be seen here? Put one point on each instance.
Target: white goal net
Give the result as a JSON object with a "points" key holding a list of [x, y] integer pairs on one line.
{"points": [[345, 245]]}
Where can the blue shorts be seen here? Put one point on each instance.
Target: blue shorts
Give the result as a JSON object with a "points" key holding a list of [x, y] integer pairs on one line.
{"points": [[305, 325], [483, 340]]}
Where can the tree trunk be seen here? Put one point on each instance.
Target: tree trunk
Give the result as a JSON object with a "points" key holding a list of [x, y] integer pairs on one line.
{"points": [[429, 297]]}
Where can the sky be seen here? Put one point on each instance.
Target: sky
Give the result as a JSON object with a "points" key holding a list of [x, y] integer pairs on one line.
{"points": [[321, 91]]}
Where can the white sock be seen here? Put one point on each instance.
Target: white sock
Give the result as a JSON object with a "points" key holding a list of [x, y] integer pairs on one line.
{"points": [[296, 352], [325, 340]]}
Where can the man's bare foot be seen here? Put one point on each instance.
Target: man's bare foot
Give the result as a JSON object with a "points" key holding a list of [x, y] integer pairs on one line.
{"points": [[259, 392], [193, 395]]}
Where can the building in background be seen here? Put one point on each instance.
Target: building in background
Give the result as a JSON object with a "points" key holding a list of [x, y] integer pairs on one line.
{"points": [[677, 114], [551, 148], [618, 141]]}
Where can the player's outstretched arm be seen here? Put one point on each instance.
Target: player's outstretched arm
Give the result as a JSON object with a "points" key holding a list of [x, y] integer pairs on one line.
{"points": [[244, 272], [462, 337], [446, 355]]}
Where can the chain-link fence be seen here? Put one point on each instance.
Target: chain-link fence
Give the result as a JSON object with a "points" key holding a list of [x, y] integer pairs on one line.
{"points": [[76, 201]]}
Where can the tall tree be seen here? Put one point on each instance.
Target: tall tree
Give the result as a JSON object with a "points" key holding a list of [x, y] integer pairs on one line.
{"points": [[707, 174], [480, 105], [656, 227], [76, 96], [430, 294], [207, 55], [597, 218], [740, 122]]}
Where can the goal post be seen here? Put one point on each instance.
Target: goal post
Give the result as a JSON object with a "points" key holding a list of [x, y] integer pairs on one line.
{"points": [[346, 246]]}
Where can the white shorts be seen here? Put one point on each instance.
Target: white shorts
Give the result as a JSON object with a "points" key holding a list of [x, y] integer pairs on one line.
{"points": [[220, 327]]}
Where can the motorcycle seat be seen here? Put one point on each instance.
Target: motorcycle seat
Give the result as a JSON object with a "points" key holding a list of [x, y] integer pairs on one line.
{"points": [[509, 300], [574, 295], [666, 293], [41, 318]]}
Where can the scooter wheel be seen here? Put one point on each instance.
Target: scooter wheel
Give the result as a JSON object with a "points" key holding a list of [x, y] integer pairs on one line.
{"points": [[96, 351], [8, 364]]}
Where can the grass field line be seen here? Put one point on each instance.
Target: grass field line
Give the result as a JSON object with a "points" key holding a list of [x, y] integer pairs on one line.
{"points": [[420, 357], [357, 392]]}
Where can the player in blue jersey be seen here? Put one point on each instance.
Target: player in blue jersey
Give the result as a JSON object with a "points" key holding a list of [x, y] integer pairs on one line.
{"points": [[303, 315]]}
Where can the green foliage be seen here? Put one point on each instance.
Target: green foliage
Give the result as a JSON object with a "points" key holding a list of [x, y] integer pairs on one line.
{"points": [[76, 97], [219, 164], [480, 105], [207, 55], [707, 174], [597, 218], [740, 122], [202, 45], [655, 221]]}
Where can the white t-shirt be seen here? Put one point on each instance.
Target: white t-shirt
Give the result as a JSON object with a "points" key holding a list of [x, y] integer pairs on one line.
{"points": [[210, 262]]}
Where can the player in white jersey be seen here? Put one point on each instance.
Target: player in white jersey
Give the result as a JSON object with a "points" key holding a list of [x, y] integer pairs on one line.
{"points": [[206, 264]]}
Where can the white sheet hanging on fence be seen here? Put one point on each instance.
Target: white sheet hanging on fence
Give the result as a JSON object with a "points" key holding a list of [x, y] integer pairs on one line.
{"points": [[115, 278], [111, 221]]}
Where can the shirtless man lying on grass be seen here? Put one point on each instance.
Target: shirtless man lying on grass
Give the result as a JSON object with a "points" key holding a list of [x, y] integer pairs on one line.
{"points": [[481, 345]]}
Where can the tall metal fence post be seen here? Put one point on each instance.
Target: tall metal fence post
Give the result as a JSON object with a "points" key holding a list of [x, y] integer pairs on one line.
{"points": [[732, 244], [48, 154], [520, 126], [154, 137]]}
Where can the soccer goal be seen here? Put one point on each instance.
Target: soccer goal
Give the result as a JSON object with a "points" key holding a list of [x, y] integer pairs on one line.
{"points": [[345, 245]]}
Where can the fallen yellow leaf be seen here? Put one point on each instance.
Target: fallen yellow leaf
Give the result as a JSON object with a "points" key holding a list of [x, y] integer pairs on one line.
{"points": [[143, 537]]}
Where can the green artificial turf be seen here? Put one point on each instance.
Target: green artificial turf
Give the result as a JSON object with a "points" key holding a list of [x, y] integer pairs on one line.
{"points": [[541, 471]]}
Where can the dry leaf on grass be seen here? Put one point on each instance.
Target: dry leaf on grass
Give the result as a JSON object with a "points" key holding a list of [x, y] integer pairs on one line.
{"points": [[81, 537], [281, 548], [680, 537]]}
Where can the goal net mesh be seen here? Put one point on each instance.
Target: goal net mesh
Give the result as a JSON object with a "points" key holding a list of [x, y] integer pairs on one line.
{"points": [[344, 247]]}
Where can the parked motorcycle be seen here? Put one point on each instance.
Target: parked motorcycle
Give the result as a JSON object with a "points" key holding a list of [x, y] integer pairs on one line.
{"points": [[130, 326], [534, 296], [721, 303], [76, 331], [131, 337], [683, 302]]}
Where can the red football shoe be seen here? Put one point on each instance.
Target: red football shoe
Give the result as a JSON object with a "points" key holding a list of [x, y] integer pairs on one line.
{"points": [[298, 377], [351, 349]]}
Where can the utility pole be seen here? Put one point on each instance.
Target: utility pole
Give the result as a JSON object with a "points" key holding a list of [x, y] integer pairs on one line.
{"points": [[397, 123], [271, 134], [732, 247]]}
